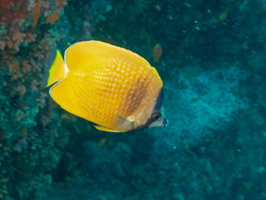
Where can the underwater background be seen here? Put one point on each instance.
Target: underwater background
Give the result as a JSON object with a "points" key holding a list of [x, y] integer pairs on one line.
{"points": [[213, 68]]}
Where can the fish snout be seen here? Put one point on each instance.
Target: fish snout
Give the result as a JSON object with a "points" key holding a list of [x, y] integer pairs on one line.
{"points": [[165, 122]]}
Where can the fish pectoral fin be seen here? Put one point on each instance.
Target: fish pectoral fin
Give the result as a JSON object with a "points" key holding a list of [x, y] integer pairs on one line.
{"points": [[128, 120], [125, 121], [102, 128]]}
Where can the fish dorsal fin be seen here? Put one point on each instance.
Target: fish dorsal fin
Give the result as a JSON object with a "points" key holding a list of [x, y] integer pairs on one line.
{"points": [[155, 72], [95, 53]]}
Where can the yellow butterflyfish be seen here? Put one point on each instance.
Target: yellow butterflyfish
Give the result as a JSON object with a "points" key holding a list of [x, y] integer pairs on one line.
{"points": [[110, 86]]}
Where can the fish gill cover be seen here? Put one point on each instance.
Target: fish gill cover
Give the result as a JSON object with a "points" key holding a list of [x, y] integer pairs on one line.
{"points": [[212, 61]]}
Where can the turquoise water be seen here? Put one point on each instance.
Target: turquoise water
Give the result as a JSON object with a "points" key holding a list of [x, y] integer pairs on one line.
{"points": [[213, 68]]}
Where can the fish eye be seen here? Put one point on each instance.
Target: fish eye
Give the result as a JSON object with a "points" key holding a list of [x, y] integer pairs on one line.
{"points": [[155, 116]]}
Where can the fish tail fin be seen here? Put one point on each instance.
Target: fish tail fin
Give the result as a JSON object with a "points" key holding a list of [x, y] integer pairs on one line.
{"points": [[57, 70]]}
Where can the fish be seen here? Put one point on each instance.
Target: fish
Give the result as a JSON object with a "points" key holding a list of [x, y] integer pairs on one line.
{"points": [[157, 52], [112, 87]]}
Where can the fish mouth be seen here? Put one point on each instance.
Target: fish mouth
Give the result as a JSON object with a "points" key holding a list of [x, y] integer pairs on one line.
{"points": [[165, 122]]}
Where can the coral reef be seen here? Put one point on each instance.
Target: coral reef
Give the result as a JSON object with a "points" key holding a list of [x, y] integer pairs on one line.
{"points": [[28, 149]]}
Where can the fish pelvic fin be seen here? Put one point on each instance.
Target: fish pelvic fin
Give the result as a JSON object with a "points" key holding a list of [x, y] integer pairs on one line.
{"points": [[57, 70], [102, 128], [124, 123]]}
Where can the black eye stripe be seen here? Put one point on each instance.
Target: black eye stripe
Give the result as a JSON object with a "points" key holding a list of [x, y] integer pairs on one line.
{"points": [[159, 100], [155, 116], [151, 119]]}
